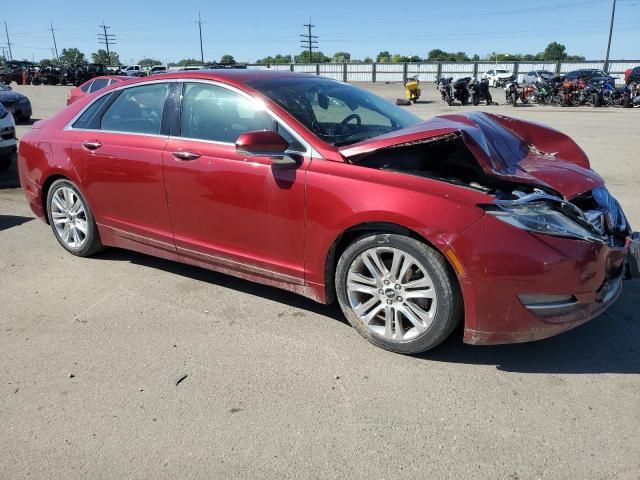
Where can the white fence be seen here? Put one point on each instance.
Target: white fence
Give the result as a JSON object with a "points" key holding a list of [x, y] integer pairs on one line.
{"points": [[430, 71]]}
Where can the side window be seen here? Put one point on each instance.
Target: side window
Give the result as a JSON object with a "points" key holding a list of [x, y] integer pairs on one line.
{"points": [[137, 110], [89, 118], [86, 86], [215, 113], [98, 84]]}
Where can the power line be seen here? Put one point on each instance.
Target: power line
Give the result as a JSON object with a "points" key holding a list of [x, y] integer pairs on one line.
{"points": [[6, 30], [200, 22], [55, 46], [309, 41], [106, 39]]}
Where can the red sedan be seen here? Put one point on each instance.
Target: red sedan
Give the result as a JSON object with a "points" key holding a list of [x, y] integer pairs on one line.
{"points": [[324, 189], [93, 85]]}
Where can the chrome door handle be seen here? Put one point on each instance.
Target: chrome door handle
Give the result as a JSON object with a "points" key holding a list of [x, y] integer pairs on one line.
{"points": [[92, 144], [180, 155]]}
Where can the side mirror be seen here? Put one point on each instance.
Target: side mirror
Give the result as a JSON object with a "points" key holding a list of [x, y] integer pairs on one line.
{"points": [[266, 143], [9, 87]]}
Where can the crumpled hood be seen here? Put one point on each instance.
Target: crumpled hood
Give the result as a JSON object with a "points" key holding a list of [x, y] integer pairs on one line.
{"points": [[511, 149]]}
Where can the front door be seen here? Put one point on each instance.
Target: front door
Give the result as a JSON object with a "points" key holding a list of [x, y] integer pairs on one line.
{"points": [[230, 210]]}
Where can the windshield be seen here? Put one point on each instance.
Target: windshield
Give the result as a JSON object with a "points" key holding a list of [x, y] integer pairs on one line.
{"points": [[502, 71], [338, 113], [593, 73]]}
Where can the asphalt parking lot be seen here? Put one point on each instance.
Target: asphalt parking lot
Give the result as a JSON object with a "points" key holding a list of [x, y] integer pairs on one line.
{"points": [[278, 386]]}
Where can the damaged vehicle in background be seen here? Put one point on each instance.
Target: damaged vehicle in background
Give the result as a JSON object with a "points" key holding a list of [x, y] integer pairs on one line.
{"points": [[326, 190]]}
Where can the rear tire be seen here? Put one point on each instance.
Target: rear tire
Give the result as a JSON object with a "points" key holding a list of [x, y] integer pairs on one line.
{"points": [[595, 100], [71, 220], [514, 99], [475, 100], [398, 265]]}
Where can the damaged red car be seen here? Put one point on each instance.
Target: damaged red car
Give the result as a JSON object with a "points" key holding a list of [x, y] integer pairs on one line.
{"points": [[326, 190]]}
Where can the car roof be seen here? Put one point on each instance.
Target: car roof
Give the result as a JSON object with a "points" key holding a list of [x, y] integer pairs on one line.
{"points": [[235, 75], [107, 77]]}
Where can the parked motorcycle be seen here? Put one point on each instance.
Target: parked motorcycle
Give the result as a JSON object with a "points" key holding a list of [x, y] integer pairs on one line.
{"points": [[480, 91], [549, 92], [573, 92], [512, 92], [634, 95], [458, 90]]}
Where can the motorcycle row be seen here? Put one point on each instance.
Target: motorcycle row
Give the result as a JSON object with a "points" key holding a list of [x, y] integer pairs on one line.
{"points": [[558, 91], [53, 75]]}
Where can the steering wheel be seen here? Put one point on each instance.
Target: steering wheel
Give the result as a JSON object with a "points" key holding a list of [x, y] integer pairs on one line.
{"points": [[352, 117]]}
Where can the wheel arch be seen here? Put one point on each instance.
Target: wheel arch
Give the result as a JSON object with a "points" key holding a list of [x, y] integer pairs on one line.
{"points": [[44, 192], [351, 234]]}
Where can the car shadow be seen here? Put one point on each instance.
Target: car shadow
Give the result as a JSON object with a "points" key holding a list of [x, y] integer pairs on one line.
{"points": [[607, 344], [223, 280], [9, 221]]}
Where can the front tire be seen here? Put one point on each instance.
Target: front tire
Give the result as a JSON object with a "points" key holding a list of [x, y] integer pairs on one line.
{"points": [[71, 220], [514, 99], [398, 293]]}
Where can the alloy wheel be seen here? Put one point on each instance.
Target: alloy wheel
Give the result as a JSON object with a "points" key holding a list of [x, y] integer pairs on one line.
{"points": [[69, 216], [391, 292]]}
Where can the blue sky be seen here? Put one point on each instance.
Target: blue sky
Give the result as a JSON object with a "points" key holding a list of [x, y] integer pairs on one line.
{"points": [[249, 30]]}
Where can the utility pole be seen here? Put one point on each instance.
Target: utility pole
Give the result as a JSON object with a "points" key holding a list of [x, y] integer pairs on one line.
{"points": [[55, 47], [200, 22], [106, 39], [309, 41], [613, 14], [6, 30]]}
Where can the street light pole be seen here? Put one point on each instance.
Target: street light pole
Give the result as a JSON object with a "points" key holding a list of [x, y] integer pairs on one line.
{"points": [[613, 14]]}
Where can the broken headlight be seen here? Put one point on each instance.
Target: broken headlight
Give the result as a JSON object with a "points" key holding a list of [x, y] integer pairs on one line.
{"points": [[541, 217]]}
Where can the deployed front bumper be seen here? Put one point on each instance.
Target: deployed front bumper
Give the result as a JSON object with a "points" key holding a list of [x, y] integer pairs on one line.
{"points": [[519, 286]]}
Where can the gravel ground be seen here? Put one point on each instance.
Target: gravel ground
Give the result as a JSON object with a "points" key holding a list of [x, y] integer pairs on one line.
{"points": [[280, 387]]}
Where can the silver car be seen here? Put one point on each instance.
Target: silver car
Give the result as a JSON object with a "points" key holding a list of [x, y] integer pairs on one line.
{"points": [[536, 76]]}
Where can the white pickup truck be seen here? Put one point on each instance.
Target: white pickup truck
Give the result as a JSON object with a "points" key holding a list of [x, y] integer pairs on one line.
{"points": [[134, 71]]}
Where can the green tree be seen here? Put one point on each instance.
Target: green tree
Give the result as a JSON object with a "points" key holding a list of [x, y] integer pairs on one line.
{"points": [[383, 57], [441, 55], [554, 51], [341, 57], [318, 57], [149, 62], [227, 60], [278, 59], [70, 56], [187, 61], [46, 62], [101, 57], [368, 60]]}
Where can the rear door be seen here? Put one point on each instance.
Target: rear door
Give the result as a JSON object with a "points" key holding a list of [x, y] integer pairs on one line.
{"points": [[118, 154]]}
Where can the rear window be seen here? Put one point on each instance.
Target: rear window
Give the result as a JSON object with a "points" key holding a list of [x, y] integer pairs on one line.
{"points": [[85, 87], [98, 84]]}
